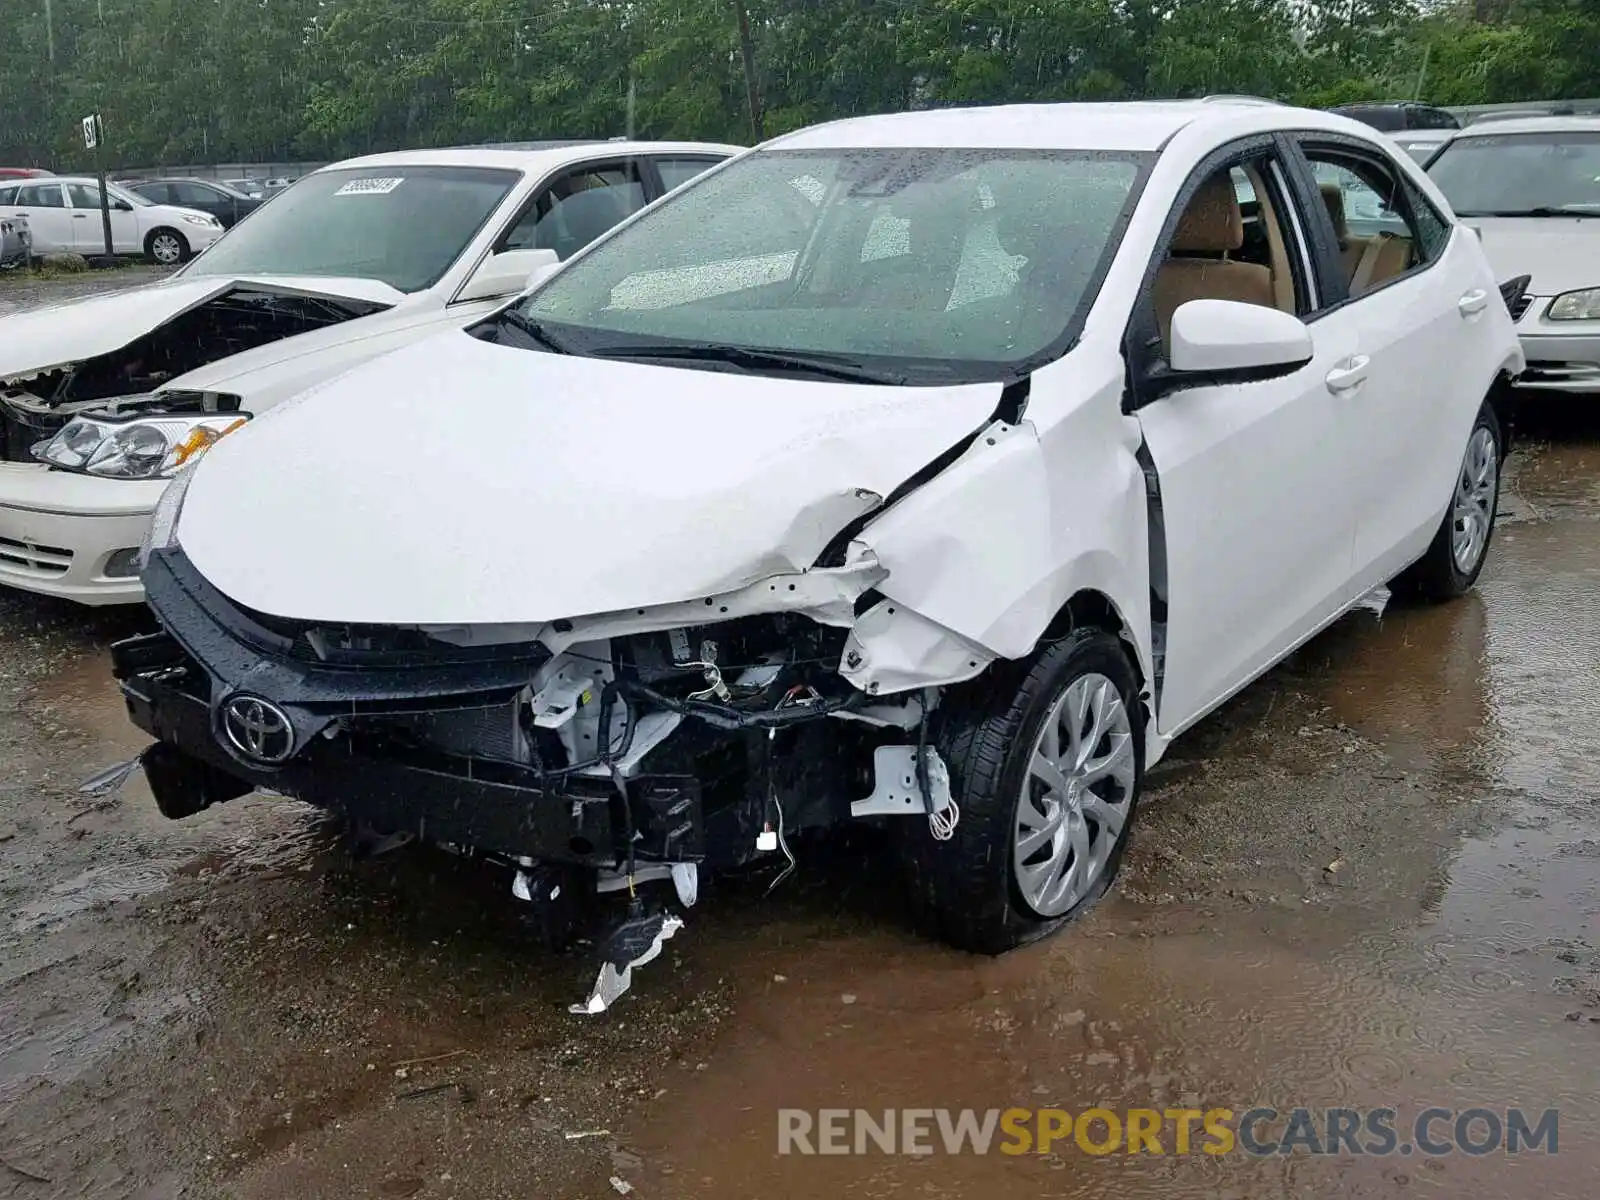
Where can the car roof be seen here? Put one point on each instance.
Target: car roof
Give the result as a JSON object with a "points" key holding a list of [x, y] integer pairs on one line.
{"points": [[1574, 124], [540, 158], [1130, 125]]}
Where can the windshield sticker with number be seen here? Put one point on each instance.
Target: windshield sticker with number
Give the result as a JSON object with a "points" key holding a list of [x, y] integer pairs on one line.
{"points": [[369, 187]]}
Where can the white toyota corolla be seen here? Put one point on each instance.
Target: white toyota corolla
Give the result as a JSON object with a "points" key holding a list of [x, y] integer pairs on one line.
{"points": [[937, 468], [103, 399]]}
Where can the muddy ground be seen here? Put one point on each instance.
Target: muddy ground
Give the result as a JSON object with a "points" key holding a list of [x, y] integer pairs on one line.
{"points": [[1370, 880]]}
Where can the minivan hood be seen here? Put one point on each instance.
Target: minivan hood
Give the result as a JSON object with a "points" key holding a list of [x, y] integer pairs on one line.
{"points": [[457, 482], [45, 339], [1561, 253]]}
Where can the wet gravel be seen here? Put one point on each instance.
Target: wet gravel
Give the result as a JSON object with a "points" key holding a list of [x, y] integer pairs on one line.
{"points": [[1371, 879]]}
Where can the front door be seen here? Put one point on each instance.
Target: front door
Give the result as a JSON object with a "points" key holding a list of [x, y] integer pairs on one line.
{"points": [[89, 232], [1258, 535]]}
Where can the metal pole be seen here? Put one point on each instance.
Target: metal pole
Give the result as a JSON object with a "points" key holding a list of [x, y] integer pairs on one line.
{"points": [[100, 169], [748, 53]]}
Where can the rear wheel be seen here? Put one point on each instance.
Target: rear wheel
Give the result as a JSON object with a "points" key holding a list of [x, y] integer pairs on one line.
{"points": [[166, 246], [1046, 764], [1458, 550]]}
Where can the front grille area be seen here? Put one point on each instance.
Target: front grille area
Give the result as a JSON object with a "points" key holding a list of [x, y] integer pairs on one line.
{"points": [[1516, 295], [33, 558]]}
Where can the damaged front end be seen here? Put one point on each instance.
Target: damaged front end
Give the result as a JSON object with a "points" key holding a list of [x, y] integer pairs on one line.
{"points": [[113, 391], [588, 755]]}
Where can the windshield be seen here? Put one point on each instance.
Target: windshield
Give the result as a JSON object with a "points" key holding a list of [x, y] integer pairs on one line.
{"points": [[131, 196], [927, 265], [401, 225], [1520, 174]]}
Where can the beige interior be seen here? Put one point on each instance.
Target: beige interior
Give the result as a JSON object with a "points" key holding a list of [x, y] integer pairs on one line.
{"points": [[1368, 261], [1212, 225]]}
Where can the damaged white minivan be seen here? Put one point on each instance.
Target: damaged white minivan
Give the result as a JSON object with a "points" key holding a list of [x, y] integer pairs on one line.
{"points": [[934, 469]]}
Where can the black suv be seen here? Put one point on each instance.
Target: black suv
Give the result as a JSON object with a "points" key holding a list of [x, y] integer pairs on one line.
{"points": [[1395, 116]]}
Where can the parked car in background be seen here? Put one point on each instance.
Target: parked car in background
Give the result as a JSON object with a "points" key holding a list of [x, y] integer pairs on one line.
{"points": [[1396, 116], [276, 185], [24, 173], [937, 468], [226, 204], [1531, 188], [1422, 144], [64, 215], [16, 242], [253, 188], [103, 399]]}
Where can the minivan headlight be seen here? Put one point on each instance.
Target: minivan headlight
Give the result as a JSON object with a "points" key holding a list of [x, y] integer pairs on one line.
{"points": [[143, 448], [1577, 306]]}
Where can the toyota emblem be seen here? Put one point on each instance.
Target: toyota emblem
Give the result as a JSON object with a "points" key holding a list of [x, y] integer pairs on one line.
{"points": [[258, 729]]}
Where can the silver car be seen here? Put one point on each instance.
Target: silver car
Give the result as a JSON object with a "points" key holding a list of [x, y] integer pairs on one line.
{"points": [[1531, 188]]}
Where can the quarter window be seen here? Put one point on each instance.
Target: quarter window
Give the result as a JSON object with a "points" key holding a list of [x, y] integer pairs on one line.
{"points": [[677, 171]]}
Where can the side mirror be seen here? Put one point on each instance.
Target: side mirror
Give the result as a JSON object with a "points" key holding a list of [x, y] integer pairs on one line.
{"points": [[507, 273], [1224, 341], [121, 206]]}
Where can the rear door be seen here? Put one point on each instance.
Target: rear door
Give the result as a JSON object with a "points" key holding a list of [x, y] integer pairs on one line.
{"points": [[48, 217], [1256, 535], [1415, 304]]}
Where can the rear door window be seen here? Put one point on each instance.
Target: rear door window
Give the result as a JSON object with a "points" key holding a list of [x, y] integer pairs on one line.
{"points": [[41, 195]]}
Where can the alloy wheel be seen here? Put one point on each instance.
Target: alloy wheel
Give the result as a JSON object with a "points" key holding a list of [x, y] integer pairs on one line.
{"points": [[1076, 796], [1473, 509]]}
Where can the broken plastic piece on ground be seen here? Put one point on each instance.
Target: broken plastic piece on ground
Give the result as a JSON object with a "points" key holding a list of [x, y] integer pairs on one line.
{"points": [[633, 943], [109, 780], [622, 1186]]}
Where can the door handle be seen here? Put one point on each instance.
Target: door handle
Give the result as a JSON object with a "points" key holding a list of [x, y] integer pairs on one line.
{"points": [[1351, 373], [1473, 303], [80, 216]]}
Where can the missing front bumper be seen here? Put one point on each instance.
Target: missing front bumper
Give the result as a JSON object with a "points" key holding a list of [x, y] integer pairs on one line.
{"points": [[494, 807]]}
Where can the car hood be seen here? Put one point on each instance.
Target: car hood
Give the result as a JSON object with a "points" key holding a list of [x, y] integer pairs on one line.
{"points": [[1561, 253], [458, 482], [44, 339]]}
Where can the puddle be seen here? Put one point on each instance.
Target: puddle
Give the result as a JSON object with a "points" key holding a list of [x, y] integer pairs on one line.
{"points": [[94, 888]]}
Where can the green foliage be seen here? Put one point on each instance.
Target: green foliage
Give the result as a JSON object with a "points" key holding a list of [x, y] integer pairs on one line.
{"points": [[183, 81]]}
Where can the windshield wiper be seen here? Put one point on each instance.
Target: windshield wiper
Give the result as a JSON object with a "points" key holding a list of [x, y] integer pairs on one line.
{"points": [[1542, 210], [829, 366], [534, 330]]}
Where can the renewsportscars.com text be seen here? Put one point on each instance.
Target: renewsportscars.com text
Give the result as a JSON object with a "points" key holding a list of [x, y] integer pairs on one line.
{"points": [[1257, 1132]]}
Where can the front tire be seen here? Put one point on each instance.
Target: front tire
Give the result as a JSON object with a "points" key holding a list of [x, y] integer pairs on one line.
{"points": [[1456, 555], [1046, 763], [166, 247]]}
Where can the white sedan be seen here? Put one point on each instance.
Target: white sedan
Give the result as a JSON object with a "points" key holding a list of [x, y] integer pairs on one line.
{"points": [[103, 399], [937, 468], [64, 214]]}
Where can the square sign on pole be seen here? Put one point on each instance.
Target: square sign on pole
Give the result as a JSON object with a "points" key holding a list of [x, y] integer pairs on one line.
{"points": [[93, 135]]}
